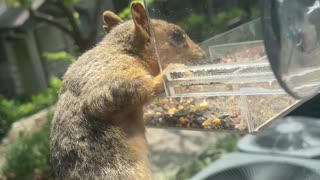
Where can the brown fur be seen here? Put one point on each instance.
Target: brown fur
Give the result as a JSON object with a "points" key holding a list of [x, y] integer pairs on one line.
{"points": [[98, 131], [110, 20]]}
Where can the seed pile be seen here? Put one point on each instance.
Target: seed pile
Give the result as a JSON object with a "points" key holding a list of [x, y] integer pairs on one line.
{"points": [[223, 112], [193, 113], [215, 113]]}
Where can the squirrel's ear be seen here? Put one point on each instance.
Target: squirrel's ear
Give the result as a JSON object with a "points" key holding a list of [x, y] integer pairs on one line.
{"points": [[110, 20], [140, 19]]}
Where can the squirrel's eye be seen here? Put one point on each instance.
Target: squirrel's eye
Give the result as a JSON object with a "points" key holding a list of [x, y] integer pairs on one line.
{"points": [[178, 38]]}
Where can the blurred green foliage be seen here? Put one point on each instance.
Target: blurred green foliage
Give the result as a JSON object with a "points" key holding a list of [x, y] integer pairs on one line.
{"points": [[125, 13], [70, 3], [200, 27], [29, 157], [16, 3], [255, 12], [57, 56], [14, 109], [198, 19], [27, 3], [213, 152]]}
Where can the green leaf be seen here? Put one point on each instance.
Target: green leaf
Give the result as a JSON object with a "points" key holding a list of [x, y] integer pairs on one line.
{"points": [[12, 110], [212, 153], [69, 3], [29, 157], [12, 3], [55, 83], [62, 55], [125, 13], [25, 3], [76, 17]]}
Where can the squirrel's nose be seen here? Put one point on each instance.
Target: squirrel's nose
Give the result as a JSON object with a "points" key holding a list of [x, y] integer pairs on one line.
{"points": [[202, 54]]}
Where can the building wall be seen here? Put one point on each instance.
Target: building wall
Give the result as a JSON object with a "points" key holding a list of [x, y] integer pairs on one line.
{"points": [[88, 10], [25, 55], [50, 40], [10, 77], [6, 81]]}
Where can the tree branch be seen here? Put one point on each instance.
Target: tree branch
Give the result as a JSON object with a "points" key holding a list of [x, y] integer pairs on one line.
{"points": [[50, 20], [75, 28], [96, 19], [77, 35]]}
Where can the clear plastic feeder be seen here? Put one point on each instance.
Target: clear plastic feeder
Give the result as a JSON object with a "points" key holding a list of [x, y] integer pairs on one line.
{"points": [[231, 88]]}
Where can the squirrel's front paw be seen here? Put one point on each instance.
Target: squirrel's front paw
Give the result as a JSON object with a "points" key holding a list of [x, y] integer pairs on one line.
{"points": [[172, 67]]}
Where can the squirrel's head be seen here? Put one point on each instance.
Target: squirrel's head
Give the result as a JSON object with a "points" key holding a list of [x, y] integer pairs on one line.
{"points": [[172, 43]]}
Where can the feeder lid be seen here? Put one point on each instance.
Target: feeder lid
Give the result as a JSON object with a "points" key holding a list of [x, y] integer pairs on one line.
{"points": [[292, 38]]}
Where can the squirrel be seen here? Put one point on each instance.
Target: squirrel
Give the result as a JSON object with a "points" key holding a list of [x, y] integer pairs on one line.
{"points": [[98, 129]]}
